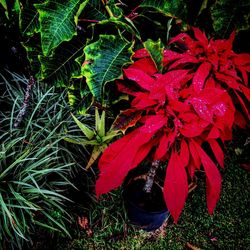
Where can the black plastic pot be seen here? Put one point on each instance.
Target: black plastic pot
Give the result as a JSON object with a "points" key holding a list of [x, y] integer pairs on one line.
{"points": [[148, 211]]}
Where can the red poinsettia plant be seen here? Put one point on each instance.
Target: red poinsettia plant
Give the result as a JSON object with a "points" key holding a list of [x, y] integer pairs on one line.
{"points": [[177, 110]]}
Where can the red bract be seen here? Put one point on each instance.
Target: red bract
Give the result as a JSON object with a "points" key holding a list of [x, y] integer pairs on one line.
{"points": [[214, 62], [175, 112]]}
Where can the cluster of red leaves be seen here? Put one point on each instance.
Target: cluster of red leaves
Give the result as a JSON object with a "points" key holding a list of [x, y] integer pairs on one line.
{"points": [[176, 112]]}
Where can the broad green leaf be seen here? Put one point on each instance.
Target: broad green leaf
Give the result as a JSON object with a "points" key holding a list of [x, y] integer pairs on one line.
{"points": [[228, 15], [86, 131], [172, 8], [61, 66], [28, 18], [94, 10], [122, 23], [104, 60], [155, 50], [79, 97], [58, 22]]}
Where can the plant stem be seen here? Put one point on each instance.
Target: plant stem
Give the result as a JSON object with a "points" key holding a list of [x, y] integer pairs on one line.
{"points": [[25, 104], [105, 2], [150, 176]]}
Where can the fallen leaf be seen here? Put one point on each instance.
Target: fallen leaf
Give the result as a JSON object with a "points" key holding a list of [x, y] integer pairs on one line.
{"points": [[192, 247]]}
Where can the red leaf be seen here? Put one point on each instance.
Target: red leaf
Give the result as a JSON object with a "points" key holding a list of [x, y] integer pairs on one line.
{"points": [[239, 119], [200, 36], [229, 80], [144, 80], [172, 81], [186, 59], [214, 133], [179, 106], [170, 56], [165, 143], [181, 38], [153, 123], [210, 83], [201, 108], [246, 92], [174, 77], [191, 167], [140, 53], [125, 88], [195, 156], [218, 152], [244, 75], [143, 101], [219, 108], [213, 179], [175, 186], [241, 59], [243, 105], [192, 125], [146, 65], [184, 153], [200, 76], [119, 158]]}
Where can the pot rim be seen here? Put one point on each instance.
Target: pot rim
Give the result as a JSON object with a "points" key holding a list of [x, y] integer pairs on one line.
{"points": [[137, 207], [144, 210]]}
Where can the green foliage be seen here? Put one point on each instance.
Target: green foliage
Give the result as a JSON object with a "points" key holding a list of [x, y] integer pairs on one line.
{"points": [[62, 66], [94, 11], [97, 137], [104, 60], [28, 19], [156, 52], [227, 16], [172, 8], [58, 22], [10, 8], [35, 164], [55, 34]]}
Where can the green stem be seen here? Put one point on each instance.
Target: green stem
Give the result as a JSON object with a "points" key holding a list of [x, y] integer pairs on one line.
{"points": [[105, 3], [109, 11]]}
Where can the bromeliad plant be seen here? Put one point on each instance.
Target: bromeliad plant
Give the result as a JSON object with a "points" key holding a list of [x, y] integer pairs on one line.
{"points": [[181, 100], [96, 137]]}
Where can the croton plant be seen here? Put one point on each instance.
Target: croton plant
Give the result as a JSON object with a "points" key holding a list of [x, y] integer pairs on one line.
{"points": [[197, 93]]}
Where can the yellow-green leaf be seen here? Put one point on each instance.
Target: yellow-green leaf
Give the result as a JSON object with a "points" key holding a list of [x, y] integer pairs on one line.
{"points": [[104, 60], [86, 131]]}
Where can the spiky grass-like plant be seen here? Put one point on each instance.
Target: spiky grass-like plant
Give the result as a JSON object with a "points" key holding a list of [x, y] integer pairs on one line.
{"points": [[35, 165]]}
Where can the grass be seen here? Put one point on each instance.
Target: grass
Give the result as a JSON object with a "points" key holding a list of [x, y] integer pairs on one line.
{"points": [[229, 227], [36, 164]]}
